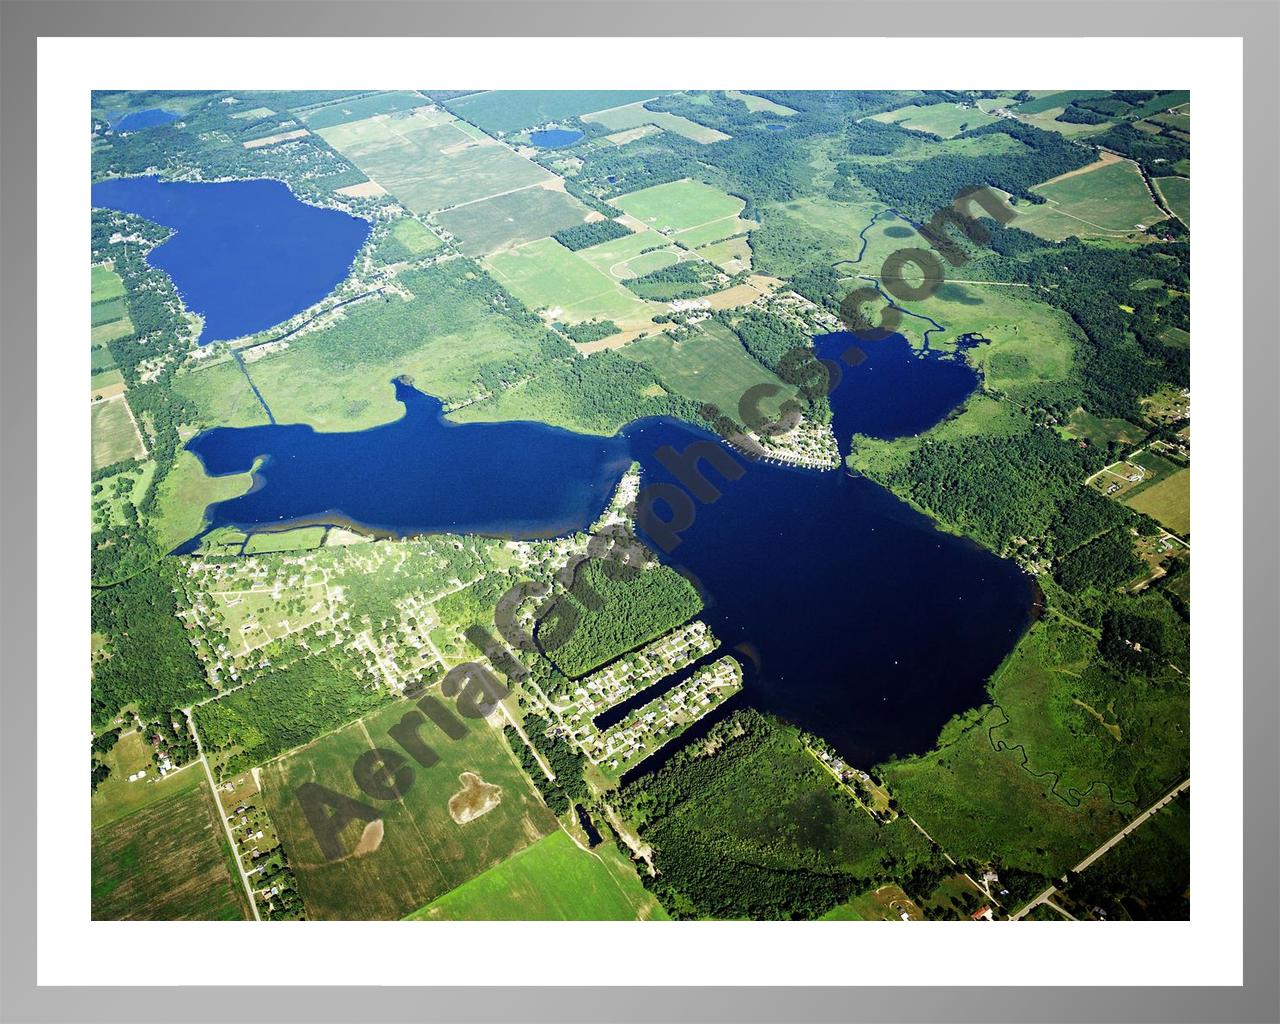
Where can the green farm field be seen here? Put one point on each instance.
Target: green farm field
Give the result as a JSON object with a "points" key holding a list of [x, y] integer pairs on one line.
{"points": [[423, 852], [685, 210], [544, 275], [115, 437], [408, 239], [1108, 198], [553, 880], [108, 311], [167, 861], [429, 162], [346, 111], [945, 120], [512, 219], [509, 110], [635, 115], [616, 258], [1177, 193], [110, 331], [1167, 501], [105, 284], [117, 797], [709, 366]]}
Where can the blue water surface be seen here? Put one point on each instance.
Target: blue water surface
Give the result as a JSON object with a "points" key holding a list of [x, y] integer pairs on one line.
{"points": [[141, 119], [554, 138], [856, 617], [245, 255]]}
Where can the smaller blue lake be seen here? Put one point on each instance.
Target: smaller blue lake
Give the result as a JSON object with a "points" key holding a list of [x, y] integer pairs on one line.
{"points": [[894, 390], [141, 119], [776, 127], [245, 255], [554, 138]]}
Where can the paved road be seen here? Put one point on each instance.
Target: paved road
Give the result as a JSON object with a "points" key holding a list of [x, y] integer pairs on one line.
{"points": [[1137, 822], [222, 816]]}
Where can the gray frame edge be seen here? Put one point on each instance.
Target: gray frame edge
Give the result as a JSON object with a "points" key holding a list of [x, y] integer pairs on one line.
{"points": [[1256, 21]]}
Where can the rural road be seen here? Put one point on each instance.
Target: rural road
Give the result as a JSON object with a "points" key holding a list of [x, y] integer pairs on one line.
{"points": [[1137, 822]]}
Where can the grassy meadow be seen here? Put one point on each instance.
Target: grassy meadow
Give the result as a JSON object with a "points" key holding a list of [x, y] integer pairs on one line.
{"points": [[553, 880], [423, 852]]}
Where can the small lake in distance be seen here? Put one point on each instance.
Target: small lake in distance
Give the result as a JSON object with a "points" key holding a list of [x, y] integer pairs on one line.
{"points": [[140, 119], [554, 138], [245, 255]]}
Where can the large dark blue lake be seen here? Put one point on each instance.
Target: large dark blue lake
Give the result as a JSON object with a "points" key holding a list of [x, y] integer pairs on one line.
{"points": [[245, 255], [856, 617]]}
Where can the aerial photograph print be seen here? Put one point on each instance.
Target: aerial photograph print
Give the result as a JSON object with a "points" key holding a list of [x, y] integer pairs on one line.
{"points": [[640, 505]]}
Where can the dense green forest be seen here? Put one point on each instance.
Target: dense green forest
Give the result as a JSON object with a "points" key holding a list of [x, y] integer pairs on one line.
{"points": [[148, 658], [583, 236], [688, 279], [590, 331], [565, 762], [748, 825], [611, 608], [281, 709]]}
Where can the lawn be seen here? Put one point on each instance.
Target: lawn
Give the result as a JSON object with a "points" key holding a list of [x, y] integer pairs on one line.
{"points": [[946, 120], [424, 852], [635, 115], [513, 219], [1168, 501], [346, 111], [1101, 431], [1106, 198], [544, 275], [115, 436], [429, 162], [1177, 193], [118, 798], [302, 539], [552, 880], [709, 366], [112, 507], [681, 208], [509, 110], [167, 861]]}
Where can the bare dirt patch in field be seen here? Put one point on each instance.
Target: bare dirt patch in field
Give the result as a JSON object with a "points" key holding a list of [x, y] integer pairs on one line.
{"points": [[370, 839], [271, 140], [1104, 158], [365, 190], [474, 799]]}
